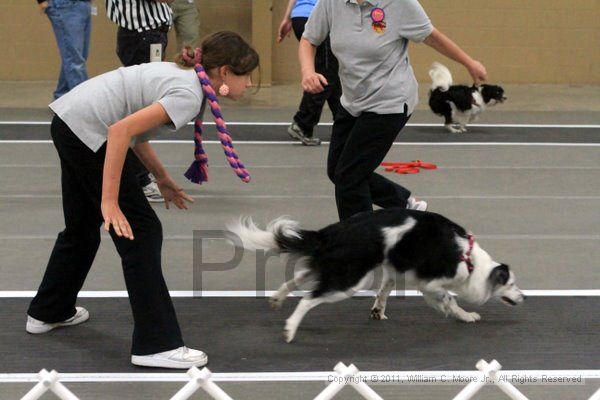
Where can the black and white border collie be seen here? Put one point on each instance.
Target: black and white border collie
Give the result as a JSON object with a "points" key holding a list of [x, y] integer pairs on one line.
{"points": [[459, 104], [338, 261]]}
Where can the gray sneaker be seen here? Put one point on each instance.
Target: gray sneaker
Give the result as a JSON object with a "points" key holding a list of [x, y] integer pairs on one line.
{"points": [[297, 133], [152, 193]]}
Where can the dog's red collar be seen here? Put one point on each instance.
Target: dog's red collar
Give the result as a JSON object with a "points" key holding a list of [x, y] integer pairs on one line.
{"points": [[467, 257]]}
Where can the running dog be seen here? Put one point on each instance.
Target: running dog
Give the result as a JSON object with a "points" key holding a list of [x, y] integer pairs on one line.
{"points": [[459, 104], [338, 261]]}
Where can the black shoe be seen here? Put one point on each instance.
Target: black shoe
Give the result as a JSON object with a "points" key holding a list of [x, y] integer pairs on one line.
{"points": [[297, 133]]}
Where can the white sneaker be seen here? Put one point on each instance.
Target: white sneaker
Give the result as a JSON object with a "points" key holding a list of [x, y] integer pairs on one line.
{"points": [[414, 204], [152, 193], [180, 358], [35, 326]]}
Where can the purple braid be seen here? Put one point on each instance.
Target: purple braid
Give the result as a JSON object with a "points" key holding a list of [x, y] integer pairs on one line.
{"points": [[198, 171]]}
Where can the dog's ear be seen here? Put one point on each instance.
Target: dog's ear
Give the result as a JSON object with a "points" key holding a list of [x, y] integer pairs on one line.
{"points": [[499, 275]]}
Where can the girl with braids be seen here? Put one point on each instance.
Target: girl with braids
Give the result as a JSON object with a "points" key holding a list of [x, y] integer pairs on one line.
{"points": [[93, 126]]}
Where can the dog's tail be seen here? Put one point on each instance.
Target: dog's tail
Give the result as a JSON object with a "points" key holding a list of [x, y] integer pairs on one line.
{"points": [[441, 78], [282, 234]]}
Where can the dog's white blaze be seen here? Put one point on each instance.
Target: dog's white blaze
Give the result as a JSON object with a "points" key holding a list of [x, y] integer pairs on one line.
{"points": [[478, 99], [392, 235]]}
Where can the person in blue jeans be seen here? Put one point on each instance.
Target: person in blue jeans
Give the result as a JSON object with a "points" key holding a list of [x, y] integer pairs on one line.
{"points": [[72, 23], [311, 105]]}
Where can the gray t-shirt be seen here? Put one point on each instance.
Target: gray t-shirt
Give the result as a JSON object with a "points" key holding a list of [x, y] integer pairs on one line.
{"points": [[94, 105], [372, 50]]}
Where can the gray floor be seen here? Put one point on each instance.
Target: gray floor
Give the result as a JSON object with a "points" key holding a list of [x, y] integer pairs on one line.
{"points": [[412, 133], [244, 335], [534, 207]]}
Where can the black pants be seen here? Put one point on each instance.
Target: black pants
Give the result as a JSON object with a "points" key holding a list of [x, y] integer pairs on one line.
{"points": [[155, 323], [358, 146], [133, 48], [311, 106]]}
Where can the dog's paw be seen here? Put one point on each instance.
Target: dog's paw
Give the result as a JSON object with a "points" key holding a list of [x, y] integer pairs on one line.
{"points": [[276, 302], [470, 317], [463, 129], [452, 129], [289, 331], [288, 335], [377, 314]]}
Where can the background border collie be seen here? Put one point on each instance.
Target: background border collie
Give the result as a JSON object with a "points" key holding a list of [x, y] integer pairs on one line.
{"points": [[459, 104], [338, 259]]}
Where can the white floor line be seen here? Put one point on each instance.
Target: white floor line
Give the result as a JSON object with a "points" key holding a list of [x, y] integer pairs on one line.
{"points": [[321, 167], [295, 143], [482, 236], [267, 123], [327, 196], [8, 294], [405, 377]]}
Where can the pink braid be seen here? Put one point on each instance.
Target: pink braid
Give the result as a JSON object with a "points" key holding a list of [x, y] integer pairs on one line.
{"points": [[198, 171]]}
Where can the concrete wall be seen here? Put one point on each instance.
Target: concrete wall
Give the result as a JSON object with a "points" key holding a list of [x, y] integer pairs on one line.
{"points": [[520, 41]]}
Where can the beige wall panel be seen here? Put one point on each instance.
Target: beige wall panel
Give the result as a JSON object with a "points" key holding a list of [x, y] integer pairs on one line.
{"points": [[285, 54], [519, 41], [231, 15]]}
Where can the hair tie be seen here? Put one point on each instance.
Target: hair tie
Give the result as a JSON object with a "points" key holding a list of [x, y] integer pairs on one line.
{"points": [[192, 61]]}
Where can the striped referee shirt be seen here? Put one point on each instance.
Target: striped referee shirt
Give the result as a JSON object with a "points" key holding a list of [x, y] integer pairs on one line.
{"points": [[139, 15]]}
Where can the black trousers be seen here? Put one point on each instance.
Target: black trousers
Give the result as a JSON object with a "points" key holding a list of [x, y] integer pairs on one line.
{"points": [[358, 146], [133, 48], [155, 323], [311, 105]]}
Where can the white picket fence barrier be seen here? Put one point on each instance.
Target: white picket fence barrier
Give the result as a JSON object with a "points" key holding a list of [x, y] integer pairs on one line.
{"points": [[489, 374], [347, 375], [200, 380], [49, 381], [595, 396]]}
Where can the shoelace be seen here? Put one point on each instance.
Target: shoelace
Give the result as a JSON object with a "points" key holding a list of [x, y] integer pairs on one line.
{"points": [[180, 352]]}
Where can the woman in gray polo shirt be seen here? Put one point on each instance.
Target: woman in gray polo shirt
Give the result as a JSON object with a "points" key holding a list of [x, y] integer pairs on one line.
{"points": [[370, 40], [93, 126]]}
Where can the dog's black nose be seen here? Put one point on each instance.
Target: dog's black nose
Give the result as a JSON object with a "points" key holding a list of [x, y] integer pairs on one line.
{"points": [[524, 297]]}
